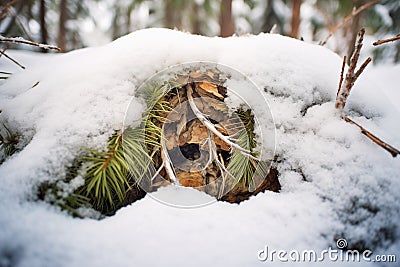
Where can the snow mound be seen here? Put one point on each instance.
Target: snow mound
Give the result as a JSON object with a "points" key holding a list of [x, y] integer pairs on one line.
{"points": [[335, 182]]}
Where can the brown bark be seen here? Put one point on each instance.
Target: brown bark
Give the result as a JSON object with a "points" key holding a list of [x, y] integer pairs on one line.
{"points": [[43, 28], [295, 18], [195, 19], [352, 75], [168, 14], [226, 19], [61, 26], [379, 42]]}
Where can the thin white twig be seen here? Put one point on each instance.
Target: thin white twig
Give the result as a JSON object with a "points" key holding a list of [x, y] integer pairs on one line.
{"points": [[211, 126], [157, 172], [167, 162]]}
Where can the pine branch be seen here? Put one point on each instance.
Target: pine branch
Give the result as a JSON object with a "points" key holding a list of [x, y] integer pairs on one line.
{"points": [[379, 42], [354, 13], [8, 143]]}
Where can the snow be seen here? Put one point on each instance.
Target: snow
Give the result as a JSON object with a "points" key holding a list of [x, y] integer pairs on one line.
{"points": [[335, 182]]}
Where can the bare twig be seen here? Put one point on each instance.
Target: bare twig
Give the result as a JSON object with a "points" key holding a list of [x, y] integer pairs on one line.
{"points": [[23, 28], [393, 151], [354, 13], [13, 60], [4, 10], [341, 76], [157, 172], [345, 88], [379, 42], [168, 163], [362, 67], [23, 41], [4, 50], [352, 74]]}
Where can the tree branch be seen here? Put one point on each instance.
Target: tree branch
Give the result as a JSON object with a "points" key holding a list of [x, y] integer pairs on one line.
{"points": [[352, 74], [341, 76], [4, 10], [392, 150], [23, 41], [13, 60], [379, 42], [354, 13]]}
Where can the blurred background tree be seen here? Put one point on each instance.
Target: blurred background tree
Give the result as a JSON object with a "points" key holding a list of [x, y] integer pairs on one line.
{"points": [[73, 24]]}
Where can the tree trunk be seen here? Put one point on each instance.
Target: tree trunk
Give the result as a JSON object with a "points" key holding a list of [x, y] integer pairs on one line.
{"points": [[43, 28], [61, 26], [195, 19], [116, 30], [226, 20], [295, 18], [168, 14]]}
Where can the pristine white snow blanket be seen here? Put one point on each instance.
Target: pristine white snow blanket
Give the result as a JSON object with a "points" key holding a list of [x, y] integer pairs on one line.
{"points": [[335, 182]]}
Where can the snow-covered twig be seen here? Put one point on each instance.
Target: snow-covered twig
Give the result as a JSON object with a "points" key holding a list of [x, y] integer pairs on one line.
{"points": [[354, 13], [393, 151], [379, 42], [21, 40], [352, 74]]}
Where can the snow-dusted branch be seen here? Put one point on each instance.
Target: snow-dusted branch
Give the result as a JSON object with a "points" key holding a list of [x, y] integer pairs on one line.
{"points": [[354, 13], [352, 74], [345, 88], [21, 40]]}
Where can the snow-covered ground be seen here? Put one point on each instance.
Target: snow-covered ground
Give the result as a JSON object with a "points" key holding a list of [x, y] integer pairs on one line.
{"points": [[335, 182]]}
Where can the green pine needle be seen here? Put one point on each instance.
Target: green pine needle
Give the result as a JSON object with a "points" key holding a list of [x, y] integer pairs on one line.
{"points": [[8, 142]]}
